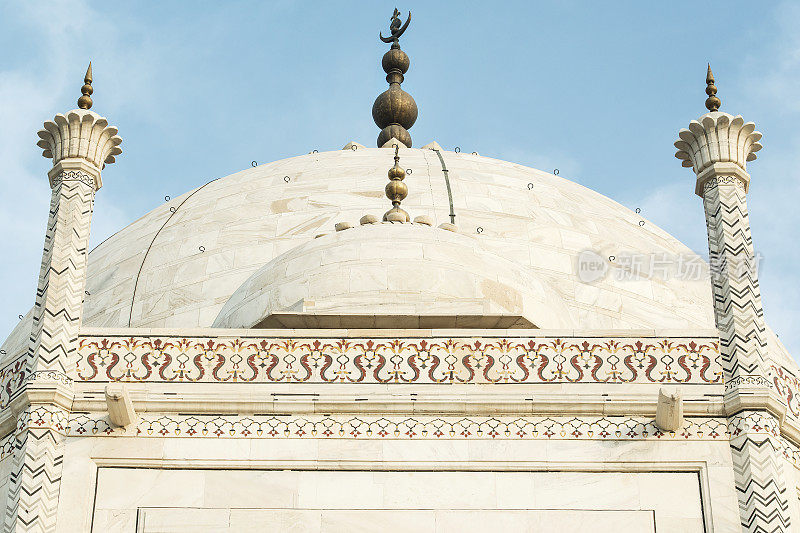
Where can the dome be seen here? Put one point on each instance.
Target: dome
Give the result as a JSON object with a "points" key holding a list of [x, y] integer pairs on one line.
{"points": [[398, 275], [178, 265]]}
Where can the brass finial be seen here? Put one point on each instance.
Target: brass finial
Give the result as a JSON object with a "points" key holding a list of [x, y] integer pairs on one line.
{"points": [[394, 110], [395, 30], [396, 191], [712, 102], [85, 101]]}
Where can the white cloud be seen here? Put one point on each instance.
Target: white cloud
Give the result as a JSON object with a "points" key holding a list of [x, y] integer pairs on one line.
{"points": [[771, 72]]}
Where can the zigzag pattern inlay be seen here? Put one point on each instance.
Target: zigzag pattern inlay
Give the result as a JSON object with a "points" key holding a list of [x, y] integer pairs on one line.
{"points": [[35, 478], [756, 450], [737, 298], [788, 449], [62, 278], [758, 465]]}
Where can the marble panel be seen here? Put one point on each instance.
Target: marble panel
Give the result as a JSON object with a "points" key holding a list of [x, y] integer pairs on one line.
{"points": [[546, 520], [143, 487], [115, 520], [343, 500], [278, 521], [365, 521], [181, 520]]}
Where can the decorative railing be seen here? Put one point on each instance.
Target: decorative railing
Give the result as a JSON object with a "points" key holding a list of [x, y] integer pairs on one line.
{"points": [[501, 360]]}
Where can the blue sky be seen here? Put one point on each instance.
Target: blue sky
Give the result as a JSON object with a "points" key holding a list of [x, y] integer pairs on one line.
{"points": [[596, 89]]}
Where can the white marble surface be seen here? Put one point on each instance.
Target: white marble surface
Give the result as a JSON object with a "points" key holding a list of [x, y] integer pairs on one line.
{"points": [[169, 520], [248, 218], [6, 465], [346, 500], [80, 134], [308, 481], [394, 269], [716, 138]]}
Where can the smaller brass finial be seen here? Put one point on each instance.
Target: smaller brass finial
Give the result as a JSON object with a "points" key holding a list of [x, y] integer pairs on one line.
{"points": [[396, 191], [712, 102], [85, 101]]}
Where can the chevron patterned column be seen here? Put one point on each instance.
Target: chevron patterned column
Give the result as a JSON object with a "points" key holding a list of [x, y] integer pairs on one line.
{"points": [[718, 147], [737, 297], [80, 143], [62, 278], [758, 466], [35, 477]]}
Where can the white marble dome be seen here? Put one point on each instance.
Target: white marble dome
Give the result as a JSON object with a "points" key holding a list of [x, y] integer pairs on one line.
{"points": [[393, 275], [178, 265]]}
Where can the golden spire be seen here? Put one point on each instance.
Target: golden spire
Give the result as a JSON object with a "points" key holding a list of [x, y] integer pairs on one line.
{"points": [[85, 101], [712, 102], [396, 191]]}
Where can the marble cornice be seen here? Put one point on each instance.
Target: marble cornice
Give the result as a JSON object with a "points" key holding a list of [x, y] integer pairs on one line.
{"points": [[480, 397]]}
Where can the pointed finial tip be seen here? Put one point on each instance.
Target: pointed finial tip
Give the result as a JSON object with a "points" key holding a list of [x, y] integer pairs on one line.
{"points": [[85, 101], [712, 102]]}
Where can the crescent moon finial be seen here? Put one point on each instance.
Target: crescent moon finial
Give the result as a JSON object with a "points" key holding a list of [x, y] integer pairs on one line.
{"points": [[394, 110], [396, 30]]}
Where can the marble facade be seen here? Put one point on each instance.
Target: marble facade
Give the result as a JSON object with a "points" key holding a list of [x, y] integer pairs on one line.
{"points": [[257, 354]]}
